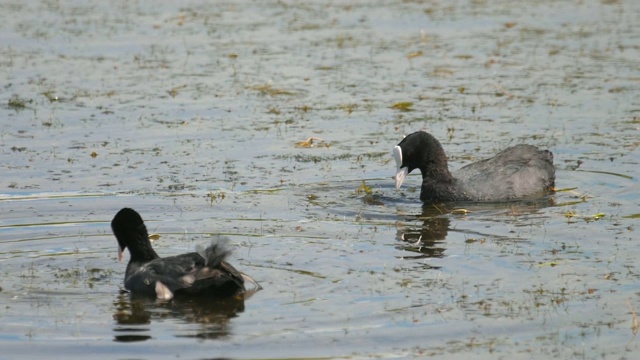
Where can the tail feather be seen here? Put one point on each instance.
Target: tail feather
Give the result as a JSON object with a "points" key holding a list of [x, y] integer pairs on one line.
{"points": [[215, 253]]}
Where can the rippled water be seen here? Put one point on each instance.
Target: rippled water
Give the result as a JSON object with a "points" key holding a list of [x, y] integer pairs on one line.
{"points": [[196, 115]]}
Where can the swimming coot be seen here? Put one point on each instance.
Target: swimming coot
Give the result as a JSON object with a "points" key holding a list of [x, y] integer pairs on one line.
{"points": [[198, 273], [516, 172]]}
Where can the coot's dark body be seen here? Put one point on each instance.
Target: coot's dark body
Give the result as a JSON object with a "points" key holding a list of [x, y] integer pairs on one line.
{"points": [[517, 172], [203, 273]]}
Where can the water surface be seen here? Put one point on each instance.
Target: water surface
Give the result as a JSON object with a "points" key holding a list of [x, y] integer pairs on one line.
{"points": [[198, 115]]}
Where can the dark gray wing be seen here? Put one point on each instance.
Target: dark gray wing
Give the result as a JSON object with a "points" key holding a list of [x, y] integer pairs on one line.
{"points": [[515, 172], [200, 273], [175, 273]]}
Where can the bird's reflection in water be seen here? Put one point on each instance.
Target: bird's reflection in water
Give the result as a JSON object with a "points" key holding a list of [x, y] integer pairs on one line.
{"points": [[423, 235], [133, 315]]}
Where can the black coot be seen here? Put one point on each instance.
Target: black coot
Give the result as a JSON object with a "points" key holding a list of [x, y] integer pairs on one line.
{"points": [[517, 172], [198, 273]]}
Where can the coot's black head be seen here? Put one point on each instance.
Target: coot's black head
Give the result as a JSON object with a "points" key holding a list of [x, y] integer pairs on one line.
{"points": [[129, 230], [419, 150]]}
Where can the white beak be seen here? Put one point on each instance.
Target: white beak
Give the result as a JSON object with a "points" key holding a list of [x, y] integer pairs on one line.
{"points": [[400, 175], [401, 172]]}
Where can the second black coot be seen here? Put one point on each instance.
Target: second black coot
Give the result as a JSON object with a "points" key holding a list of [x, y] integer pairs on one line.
{"points": [[202, 273]]}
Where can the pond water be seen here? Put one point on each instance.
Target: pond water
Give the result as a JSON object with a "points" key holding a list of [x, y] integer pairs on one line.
{"points": [[272, 123]]}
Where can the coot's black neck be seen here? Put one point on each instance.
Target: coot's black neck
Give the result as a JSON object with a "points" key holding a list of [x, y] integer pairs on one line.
{"points": [[142, 252], [434, 190], [437, 170]]}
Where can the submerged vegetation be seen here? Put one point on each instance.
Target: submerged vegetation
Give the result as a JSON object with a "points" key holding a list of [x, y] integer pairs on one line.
{"points": [[18, 103]]}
